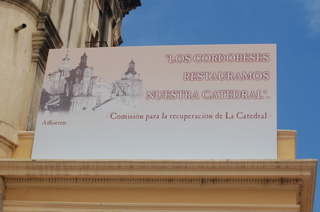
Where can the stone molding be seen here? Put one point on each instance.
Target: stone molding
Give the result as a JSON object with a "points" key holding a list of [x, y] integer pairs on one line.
{"points": [[240, 174], [167, 167], [38, 40], [287, 134], [29, 206], [46, 37], [45, 24], [91, 182], [128, 5], [6, 147], [26, 134], [8, 134]]}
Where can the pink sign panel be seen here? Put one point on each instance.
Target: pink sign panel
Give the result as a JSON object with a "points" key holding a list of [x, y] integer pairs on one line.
{"points": [[161, 102]]}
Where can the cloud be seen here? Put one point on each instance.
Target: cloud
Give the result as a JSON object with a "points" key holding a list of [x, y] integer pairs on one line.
{"points": [[313, 8]]}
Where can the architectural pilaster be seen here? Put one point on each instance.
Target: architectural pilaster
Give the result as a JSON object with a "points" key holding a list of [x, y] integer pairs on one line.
{"points": [[46, 37]]}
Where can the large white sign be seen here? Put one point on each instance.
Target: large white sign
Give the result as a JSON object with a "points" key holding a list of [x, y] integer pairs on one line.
{"points": [[164, 102]]}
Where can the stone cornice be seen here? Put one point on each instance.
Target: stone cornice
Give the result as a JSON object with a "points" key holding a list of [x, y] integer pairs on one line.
{"points": [[162, 167], [128, 5], [160, 172], [287, 133], [46, 37], [202, 174], [45, 24]]}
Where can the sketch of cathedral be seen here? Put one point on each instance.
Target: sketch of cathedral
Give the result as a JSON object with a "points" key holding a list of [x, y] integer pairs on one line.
{"points": [[128, 89], [73, 90], [56, 80]]}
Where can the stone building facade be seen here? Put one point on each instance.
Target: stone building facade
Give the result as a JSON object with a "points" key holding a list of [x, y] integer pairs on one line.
{"points": [[29, 28]]}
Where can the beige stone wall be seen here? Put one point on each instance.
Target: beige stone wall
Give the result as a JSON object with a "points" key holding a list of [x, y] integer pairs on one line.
{"points": [[78, 21], [15, 67], [71, 20]]}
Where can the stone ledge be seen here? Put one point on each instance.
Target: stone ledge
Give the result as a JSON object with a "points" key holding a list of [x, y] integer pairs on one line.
{"points": [[167, 167], [29, 206], [295, 175]]}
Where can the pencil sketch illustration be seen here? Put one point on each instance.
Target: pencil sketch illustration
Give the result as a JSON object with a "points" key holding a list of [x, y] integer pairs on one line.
{"points": [[72, 90]]}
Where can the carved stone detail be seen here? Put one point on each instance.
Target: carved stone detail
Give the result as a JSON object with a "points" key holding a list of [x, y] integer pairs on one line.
{"points": [[56, 182], [6, 147], [26, 135], [128, 5], [46, 37], [38, 40], [91, 167], [299, 175], [282, 181]]}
